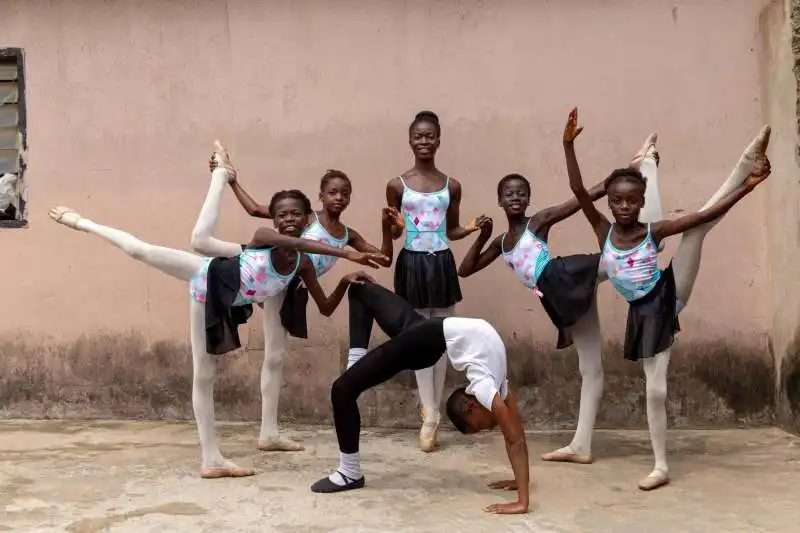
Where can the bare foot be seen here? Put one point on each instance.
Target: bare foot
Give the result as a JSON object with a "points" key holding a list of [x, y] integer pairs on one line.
{"points": [[656, 479], [215, 472], [280, 445], [65, 216], [566, 455]]}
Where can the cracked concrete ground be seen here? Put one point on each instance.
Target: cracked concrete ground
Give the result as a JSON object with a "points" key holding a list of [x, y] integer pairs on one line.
{"points": [[87, 477]]}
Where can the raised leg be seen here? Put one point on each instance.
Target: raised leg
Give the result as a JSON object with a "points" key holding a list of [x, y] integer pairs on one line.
{"points": [[648, 166], [214, 465], [370, 303], [203, 241], [272, 378], [588, 342], [686, 262], [655, 371], [430, 383], [176, 263]]}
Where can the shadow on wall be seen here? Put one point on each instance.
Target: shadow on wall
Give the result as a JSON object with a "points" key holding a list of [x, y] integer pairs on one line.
{"points": [[789, 393], [119, 376]]}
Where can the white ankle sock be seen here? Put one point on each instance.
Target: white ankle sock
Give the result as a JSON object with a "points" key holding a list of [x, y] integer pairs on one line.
{"points": [[354, 355], [350, 466]]}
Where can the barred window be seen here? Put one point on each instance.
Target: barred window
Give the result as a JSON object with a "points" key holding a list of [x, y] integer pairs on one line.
{"points": [[13, 142]]}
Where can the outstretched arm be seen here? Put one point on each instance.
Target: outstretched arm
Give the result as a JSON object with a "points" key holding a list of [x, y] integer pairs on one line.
{"points": [[394, 197], [360, 244], [664, 228], [456, 232], [477, 258], [269, 237], [253, 208], [510, 423], [328, 304], [596, 219], [550, 216]]}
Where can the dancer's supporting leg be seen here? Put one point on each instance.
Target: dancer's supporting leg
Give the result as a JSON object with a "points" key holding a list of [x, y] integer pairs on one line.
{"points": [[586, 333], [588, 343], [415, 343], [685, 266], [275, 339], [181, 265], [430, 383]]}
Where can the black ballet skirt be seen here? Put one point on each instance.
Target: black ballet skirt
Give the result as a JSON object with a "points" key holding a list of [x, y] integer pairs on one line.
{"points": [[652, 320], [427, 279], [222, 317], [293, 309], [568, 286]]}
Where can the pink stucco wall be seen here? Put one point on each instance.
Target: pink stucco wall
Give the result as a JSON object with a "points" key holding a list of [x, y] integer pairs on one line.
{"points": [[124, 99]]}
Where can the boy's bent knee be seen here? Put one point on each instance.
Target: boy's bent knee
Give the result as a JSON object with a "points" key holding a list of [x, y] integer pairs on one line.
{"points": [[340, 390]]}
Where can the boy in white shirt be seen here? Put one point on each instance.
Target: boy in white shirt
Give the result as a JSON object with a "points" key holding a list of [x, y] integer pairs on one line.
{"points": [[471, 344]]}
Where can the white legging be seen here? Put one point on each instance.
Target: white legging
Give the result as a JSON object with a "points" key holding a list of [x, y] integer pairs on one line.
{"points": [[181, 265], [586, 332], [275, 337], [430, 381], [685, 266]]}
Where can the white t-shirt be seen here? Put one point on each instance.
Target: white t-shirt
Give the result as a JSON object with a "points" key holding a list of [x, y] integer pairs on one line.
{"points": [[475, 346]]}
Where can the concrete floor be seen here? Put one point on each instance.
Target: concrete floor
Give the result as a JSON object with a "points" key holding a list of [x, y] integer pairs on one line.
{"points": [[87, 477]]}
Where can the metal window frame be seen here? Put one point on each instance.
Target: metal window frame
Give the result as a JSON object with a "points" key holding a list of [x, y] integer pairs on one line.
{"points": [[18, 55]]}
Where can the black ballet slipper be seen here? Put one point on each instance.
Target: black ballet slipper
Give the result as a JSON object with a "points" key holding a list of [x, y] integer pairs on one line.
{"points": [[326, 486]]}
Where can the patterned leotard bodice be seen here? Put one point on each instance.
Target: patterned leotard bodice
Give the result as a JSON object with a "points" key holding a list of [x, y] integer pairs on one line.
{"points": [[258, 280], [317, 232], [633, 272], [527, 258], [425, 215]]}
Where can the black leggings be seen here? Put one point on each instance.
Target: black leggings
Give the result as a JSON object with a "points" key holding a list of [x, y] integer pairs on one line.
{"points": [[415, 343]]}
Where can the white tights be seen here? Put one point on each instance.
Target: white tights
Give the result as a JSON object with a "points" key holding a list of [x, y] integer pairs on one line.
{"points": [[181, 265], [588, 338], [685, 265], [430, 381], [275, 338]]}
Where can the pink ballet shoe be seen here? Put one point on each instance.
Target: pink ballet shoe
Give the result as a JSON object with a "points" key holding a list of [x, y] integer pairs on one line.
{"points": [[431, 442], [762, 140], [65, 216], [560, 456], [648, 146], [223, 160], [656, 479]]}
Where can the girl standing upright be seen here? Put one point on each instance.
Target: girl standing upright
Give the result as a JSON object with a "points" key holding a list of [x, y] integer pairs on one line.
{"points": [[425, 272]]}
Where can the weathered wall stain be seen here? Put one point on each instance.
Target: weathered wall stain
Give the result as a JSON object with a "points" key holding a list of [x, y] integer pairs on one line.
{"points": [[120, 376], [789, 392]]}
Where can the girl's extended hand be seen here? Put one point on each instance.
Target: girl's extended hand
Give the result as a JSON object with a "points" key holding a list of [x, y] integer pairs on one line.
{"points": [[370, 259], [571, 130]]}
